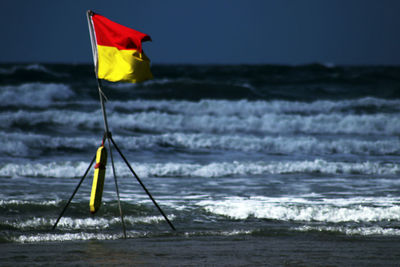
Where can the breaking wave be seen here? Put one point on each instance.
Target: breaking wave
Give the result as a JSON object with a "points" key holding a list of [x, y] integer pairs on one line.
{"points": [[373, 124], [259, 108], [297, 209], [27, 144], [70, 169]]}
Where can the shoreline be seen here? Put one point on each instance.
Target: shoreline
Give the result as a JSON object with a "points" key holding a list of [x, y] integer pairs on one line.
{"points": [[297, 250]]}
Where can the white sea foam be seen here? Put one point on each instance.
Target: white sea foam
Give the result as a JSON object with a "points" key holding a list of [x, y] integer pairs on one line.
{"points": [[34, 94], [348, 230], [218, 233], [65, 237], [49, 237], [4, 203], [83, 223], [298, 209], [69, 169]]}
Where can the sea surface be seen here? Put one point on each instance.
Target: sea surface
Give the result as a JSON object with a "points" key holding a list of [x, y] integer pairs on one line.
{"points": [[226, 151]]}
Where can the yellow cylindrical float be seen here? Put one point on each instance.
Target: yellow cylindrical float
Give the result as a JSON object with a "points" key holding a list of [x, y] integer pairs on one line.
{"points": [[98, 179]]}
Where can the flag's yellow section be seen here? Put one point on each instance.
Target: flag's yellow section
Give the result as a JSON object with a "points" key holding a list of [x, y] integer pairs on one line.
{"points": [[122, 65]]}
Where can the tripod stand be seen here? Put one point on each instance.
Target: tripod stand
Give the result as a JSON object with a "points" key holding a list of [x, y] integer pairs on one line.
{"points": [[110, 140]]}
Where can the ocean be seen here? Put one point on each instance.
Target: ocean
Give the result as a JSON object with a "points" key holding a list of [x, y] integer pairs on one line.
{"points": [[297, 164]]}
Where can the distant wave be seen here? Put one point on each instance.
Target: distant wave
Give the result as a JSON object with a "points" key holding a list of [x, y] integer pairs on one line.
{"points": [[28, 144], [43, 94], [70, 169], [190, 88], [269, 144], [267, 123], [157, 122], [259, 108], [34, 94], [33, 68], [233, 82]]}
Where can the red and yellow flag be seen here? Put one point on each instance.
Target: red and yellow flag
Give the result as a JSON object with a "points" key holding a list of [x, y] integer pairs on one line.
{"points": [[117, 51]]}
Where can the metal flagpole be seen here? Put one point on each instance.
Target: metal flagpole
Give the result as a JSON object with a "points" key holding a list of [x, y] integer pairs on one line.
{"points": [[108, 136], [102, 97]]}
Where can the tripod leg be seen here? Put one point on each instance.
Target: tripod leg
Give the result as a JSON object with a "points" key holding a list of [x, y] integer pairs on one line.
{"points": [[116, 187], [73, 194], [140, 182]]}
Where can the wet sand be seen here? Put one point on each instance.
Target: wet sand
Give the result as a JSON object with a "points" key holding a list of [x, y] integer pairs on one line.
{"points": [[298, 250]]}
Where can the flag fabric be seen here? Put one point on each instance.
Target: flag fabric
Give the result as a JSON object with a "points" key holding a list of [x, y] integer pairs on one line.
{"points": [[117, 51]]}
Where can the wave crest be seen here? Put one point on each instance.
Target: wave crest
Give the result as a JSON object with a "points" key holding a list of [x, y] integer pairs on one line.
{"points": [[212, 170]]}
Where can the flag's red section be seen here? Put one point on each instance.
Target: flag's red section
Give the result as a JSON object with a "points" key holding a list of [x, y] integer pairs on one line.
{"points": [[109, 33]]}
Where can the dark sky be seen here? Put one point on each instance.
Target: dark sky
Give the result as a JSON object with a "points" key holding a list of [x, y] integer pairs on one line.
{"points": [[272, 32]]}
